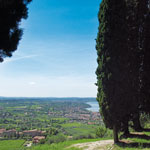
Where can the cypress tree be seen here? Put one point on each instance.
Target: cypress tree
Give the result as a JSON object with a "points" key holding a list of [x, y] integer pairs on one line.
{"points": [[11, 14], [145, 90], [137, 20], [137, 39], [112, 71], [134, 61], [123, 62]]}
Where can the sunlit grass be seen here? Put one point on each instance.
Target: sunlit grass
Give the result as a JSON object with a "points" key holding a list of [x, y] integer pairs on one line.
{"points": [[63, 145], [11, 144]]}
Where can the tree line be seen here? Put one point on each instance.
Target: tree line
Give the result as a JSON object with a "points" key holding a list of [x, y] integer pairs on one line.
{"points": [[123, 72]]}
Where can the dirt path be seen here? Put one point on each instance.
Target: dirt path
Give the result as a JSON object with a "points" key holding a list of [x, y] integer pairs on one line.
{"points": [[98, 145]]}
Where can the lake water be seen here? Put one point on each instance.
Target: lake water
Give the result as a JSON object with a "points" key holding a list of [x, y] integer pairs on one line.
{"points": [[94, 106]]}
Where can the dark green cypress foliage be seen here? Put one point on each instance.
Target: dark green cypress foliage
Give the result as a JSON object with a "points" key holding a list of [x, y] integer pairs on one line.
{"points": [[136, 21], [112, 71], [136, 25], [143, 38], [11, 14], [123, 62], [134, 59], [145, 92]]}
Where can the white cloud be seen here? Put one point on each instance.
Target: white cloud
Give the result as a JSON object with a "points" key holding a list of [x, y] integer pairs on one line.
{"points": [[32, 83], [7, 60]]}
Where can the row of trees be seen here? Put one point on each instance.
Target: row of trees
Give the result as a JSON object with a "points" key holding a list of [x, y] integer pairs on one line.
{"points": [[123, 48], [11, 14]]}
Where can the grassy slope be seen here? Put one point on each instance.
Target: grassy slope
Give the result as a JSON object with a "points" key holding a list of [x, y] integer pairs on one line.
{"points": [[131, 144], [62, 146], [11, 144]]}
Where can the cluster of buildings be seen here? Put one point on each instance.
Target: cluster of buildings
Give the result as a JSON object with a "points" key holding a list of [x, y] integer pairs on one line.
{"points": [[37, 139], [4, 132], [32, 133], [78, 114], [84, 117], [35, 134]]}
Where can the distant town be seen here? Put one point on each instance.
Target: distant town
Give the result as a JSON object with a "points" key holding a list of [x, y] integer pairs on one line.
{"points": [[36, 119]]}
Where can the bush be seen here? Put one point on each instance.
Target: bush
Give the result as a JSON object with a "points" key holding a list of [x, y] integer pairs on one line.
{"points": [[109, 133], [56, 139], [52, 131], [144, 120], [83, 136], [42, 141], [101, 131]]}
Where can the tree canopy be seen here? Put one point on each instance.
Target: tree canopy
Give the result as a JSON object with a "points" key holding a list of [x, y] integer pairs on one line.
{"points": [[112, 63], [123, 62], [11, 14]]}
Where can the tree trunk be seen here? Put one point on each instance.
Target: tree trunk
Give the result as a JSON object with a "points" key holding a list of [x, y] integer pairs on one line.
{"points": [[115, 132], [126, 128], [136, 122]]}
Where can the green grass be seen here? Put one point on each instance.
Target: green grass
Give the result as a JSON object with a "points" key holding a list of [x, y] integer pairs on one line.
{"points": [[11, 144], [79, 129], [60, 119], [136, 144], [139, 147], [62, 146], [127, 148], [75, 124], [147, 133]]}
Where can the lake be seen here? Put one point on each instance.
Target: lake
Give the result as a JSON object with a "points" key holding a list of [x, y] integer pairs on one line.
{"points": [[94, 106]]}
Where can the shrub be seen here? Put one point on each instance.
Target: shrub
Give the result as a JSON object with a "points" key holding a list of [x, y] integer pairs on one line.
{"points": [[56, 139], [83, 136], [52, 131], [42, 141], [101, 131], [144, 120]]}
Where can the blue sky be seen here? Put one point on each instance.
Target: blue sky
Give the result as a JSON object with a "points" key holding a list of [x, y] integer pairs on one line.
{"points": [[56, 56]]}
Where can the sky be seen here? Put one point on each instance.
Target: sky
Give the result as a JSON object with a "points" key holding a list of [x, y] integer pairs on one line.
{"points": [[56, 56]]}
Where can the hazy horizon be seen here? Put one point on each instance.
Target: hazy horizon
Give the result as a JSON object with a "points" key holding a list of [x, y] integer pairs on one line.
{"points": [[46, 97]]}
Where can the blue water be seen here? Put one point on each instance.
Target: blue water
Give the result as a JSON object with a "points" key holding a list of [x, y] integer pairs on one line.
{"points": [[94, 106]]}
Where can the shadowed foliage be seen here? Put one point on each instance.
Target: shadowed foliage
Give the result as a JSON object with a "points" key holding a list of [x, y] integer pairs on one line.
{"points": [[146, 63], [123, 63], [11, 14], [112, 71], [133, 145]]}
